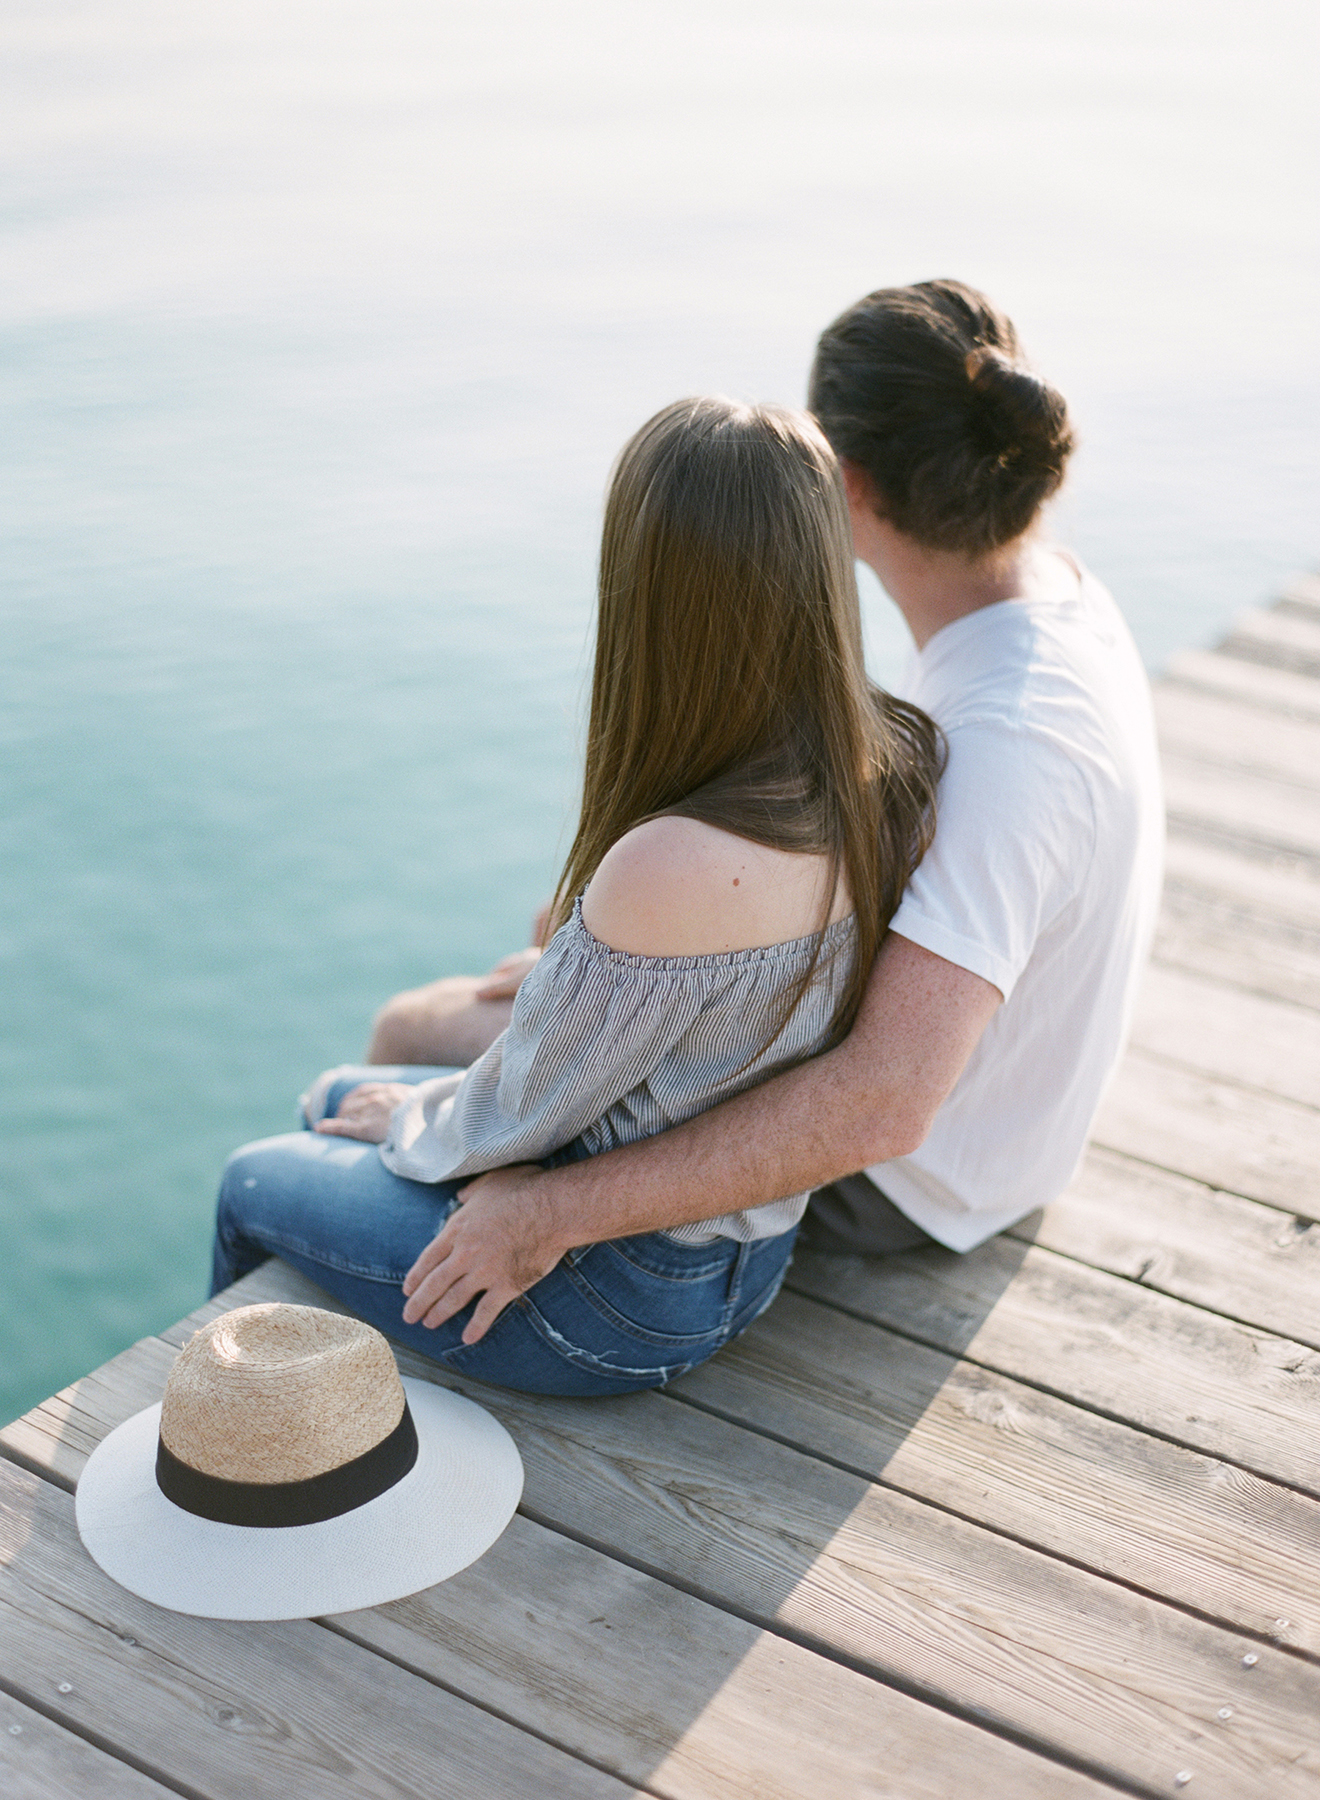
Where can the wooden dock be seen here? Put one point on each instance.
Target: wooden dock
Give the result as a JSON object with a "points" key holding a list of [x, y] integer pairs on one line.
{"points": [[1043, 1520]]}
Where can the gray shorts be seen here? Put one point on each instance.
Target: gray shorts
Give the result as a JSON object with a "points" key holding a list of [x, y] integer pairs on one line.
{"points": [[851, 1217]]}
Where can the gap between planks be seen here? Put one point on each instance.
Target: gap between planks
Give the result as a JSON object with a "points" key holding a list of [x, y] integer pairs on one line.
{"points": [[224, 1708], [720, 1515], [681, 1702]]}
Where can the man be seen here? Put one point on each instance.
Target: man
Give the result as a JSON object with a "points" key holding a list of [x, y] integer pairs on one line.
{"points": [[1001, 998]]}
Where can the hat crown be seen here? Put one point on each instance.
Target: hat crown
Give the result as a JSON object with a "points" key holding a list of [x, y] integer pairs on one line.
{"points": [[278, 1393]]}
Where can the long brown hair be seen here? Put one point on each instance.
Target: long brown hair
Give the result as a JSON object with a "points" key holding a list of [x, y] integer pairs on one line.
{"points": [[729, 685]]}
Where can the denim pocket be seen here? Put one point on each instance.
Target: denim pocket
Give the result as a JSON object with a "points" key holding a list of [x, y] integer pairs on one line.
{"points": [[664, 1258], [653, 1291]]}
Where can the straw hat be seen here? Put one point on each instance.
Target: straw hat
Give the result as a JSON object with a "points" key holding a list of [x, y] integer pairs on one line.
{"points": [[288, 1472]]}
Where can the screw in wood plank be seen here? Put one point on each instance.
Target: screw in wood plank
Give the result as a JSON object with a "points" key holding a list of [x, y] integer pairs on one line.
{"points": [[1182, 1778], [15, 1731], [1282, 1624], [1225, 1712], [65, 1687], [1250, 1660]]}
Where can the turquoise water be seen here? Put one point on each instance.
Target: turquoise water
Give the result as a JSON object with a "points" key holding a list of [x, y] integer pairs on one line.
{"points": [[319, 329]]}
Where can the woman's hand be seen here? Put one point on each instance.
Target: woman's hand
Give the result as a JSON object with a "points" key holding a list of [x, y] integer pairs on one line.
{"points": [[498, 1243], [364, 1112]]}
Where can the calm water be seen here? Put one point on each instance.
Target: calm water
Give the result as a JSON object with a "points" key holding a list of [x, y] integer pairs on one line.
{"points": [[319, 327]]}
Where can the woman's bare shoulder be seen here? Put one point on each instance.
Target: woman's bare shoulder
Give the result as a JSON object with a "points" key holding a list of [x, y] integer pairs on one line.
{"points": [[677, 887]]}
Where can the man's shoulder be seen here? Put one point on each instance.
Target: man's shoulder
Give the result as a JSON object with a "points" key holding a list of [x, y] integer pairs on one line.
{"points": [[1069, 677], [1012, 789]]}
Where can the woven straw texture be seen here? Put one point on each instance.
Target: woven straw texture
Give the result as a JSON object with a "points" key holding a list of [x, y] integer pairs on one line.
{"points": [[280, 1393]]}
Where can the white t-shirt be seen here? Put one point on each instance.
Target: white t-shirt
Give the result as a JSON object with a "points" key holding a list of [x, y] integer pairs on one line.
{"points": [[1043, 879]]}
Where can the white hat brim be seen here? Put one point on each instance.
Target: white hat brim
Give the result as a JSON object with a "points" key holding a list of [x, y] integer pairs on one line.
{"points": [[447, 1510]]}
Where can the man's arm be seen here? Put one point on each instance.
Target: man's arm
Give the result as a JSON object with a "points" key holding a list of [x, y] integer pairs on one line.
{"points": [[871, 1099]]}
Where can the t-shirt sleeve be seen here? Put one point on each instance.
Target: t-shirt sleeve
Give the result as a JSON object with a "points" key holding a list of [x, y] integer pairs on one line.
{"points": [[1014, 836]]}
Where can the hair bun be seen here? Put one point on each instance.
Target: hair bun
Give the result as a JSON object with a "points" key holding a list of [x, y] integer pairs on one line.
{"points": [[1021, 413], [925, 389]]}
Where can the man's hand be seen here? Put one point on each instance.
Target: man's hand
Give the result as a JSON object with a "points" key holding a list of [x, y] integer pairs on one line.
{"points": [[364, 1112], [512, 971], [508, 975], [869, 1099], [498, 1243]]}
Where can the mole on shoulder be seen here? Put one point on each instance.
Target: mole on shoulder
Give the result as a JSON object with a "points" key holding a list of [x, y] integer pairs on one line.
{"points": [[735, 881]]}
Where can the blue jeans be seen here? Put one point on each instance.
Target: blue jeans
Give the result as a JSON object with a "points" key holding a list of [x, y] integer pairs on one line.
{"points": [[610, 1318]]}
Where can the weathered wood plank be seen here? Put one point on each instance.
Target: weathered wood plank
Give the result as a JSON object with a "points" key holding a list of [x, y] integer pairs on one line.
{"points": [[1283, 638], [1301, 591], [1115, 1346], [1031, 1644], [1181, 1237], [1241, 918], [1203, 1024], [902, 1590], [40, 1760], [56, 1438], [1270, 814], [1278, 692], [1265, 892], [226, 1709], [1293, 626], [1171, 1522], [1221, 731], [1216, 1131], [1208, 937], [679, 1697], [696, 1703]]}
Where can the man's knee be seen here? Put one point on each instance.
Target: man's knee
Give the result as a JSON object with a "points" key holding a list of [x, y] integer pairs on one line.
{"points": [[400, 1023], [443, 1022]]}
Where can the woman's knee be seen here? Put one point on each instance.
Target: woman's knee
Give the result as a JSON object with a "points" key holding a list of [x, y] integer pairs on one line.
{"points": [[266, 1184], [235, 1177], [245, 1166]]}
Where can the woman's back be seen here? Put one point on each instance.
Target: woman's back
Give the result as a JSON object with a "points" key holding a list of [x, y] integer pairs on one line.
{"points": [[676, 886]]}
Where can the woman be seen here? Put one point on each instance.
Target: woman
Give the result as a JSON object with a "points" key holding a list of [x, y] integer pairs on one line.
{"points": [[752, 809]]}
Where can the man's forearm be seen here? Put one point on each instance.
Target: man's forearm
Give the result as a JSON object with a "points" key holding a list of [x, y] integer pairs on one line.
{"points": [[870, 1099], [791, 1134]]}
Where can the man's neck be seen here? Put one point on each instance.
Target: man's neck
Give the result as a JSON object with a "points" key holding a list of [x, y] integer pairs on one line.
{"points": [[933, 588]]}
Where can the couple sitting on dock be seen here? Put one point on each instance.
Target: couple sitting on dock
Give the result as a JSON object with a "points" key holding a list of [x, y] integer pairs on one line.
{"points": [[816, 949]]}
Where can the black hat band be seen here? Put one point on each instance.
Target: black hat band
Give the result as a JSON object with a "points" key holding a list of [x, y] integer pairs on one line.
{"points": [[270, 1503]]}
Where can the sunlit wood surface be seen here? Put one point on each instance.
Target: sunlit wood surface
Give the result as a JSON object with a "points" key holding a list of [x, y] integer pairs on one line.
{"points": [[1043, 1520]]}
